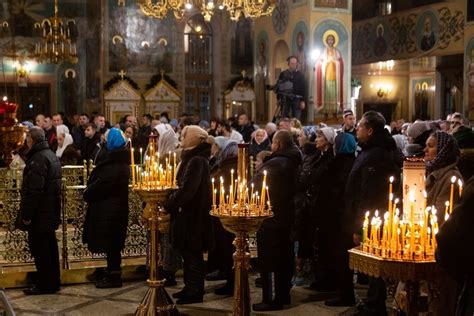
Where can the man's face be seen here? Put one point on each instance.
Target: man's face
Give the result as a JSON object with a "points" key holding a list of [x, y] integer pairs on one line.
{"points": [[243, 120], [83, 120], [330, 41], [40, 120], [99, 121], [284, 125], [57, 120], [130, 120], [48, 123], [292, 64], [349, 121], [363, 133], [89, 132], [145, 121]]}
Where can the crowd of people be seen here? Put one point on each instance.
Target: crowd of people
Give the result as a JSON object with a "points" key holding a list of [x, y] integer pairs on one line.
{"points": [[322, 179]]}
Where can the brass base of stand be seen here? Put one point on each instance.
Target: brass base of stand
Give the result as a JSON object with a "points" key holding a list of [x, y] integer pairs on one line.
{"points": [[156, 301]]}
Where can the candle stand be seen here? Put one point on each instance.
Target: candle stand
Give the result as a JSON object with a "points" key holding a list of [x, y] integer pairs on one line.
{"points": [[241, 226], [241, 212], [156, 301], [409, 272]]}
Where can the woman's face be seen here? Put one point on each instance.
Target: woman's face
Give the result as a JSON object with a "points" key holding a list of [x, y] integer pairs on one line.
{"points": [[259, 136], [430, 149], [213, 124], [321, 142], [129, 132], [302, 139], [60, 140]]}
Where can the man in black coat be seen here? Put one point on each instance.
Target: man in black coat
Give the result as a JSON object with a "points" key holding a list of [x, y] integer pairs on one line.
{"points": [[245, 128], [191, 224], [367, 189], [275, 249], [40, 210]]}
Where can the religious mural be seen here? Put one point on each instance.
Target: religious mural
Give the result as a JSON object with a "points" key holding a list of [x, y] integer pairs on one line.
{"points": [[138, 43], [469, 59], [470, 11], [407, 35], [242, 47], [332, 4], [299, 44], [426, 28], [331, 67], [421, 98]]}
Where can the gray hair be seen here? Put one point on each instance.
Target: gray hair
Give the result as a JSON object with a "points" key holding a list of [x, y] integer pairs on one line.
{"points": [[37, 134]]}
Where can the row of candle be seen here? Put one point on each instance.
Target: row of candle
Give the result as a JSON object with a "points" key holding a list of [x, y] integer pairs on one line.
{"points": [[150, 174], [409, 239], [240, 200]]}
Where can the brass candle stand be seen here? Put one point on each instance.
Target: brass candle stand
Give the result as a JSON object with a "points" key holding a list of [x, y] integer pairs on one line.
{"points": [[12, 135], [156, 301], [153, 182], [241, 213]]}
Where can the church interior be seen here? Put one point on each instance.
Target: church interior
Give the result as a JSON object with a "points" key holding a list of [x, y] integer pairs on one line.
{"points": [[210, 60]]}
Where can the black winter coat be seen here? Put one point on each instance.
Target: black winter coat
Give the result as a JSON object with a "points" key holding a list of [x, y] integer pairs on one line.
{"points": [[89, 147], [191, 224], [246, 132], [41, 190], [367, 185], [255, 148], [282, 172], [105, 228]]}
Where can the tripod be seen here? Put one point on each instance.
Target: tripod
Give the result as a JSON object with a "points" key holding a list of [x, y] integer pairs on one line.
{"points": [[282, 103]]}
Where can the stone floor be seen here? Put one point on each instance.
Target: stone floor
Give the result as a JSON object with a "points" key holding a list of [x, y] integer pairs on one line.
{"points": [[85, 299]]}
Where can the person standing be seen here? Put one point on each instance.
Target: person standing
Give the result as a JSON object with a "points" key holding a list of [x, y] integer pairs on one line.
{"points": [[105, 227], [189, 206], [245, 127], [40, 211], [366, 189], [291, 90], [275, 249]]}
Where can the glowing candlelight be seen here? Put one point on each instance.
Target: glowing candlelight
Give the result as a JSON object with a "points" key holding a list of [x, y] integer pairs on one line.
{"points": [[446, 210], [460, 187], [214, 192], [141, 156], [451, 196], [263, 188], [133, 163], [412, 222], [174, 169], [365, 227]]}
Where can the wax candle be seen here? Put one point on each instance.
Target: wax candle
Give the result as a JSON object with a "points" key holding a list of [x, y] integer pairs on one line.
{"points": [[412, 222], [133, 163], [141, 156], [446, 211], [365, 227], [268, 196], [213, 190], [460, 187], [263, 187], [451, 195], [174, 169]]}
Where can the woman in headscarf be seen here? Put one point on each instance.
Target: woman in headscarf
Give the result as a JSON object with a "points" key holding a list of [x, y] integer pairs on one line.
{"points": [[189, 205], [441, 156], [226, 161], [259, 142], [66, 151], [105, 227]]}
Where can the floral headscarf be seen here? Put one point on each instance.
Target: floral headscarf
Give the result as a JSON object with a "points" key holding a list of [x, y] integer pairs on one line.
{"points": [[447, 152]]}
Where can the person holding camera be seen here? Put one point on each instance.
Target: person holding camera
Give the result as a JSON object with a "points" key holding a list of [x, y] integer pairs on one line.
{"points": [[290, 90]]}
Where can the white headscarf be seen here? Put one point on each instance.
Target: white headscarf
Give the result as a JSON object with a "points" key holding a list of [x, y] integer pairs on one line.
{"points": [[168, 140], [67, 141], [62, 129]]}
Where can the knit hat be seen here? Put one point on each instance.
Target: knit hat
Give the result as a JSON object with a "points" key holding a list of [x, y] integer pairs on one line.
{"points": [[417, 128], [329, 134], [347, 112], [192, 135], [114, 139]]}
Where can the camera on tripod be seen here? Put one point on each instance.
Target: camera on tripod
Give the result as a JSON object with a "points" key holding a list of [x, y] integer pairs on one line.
{"points": [[284, 86]]}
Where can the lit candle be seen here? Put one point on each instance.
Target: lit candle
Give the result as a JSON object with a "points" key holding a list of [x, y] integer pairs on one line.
{"points": [[404, 228], [268, 196], [222, 191], [446, 211], [251, 193], [141, 156], [425, 197], [460, 187], [412, 222], [133, 163], [390, 194], [263, 188], [451, 196], [174, 169], [365, 227]]}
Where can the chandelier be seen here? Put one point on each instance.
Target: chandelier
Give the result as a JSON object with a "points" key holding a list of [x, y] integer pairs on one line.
{"points": [[57, 40], [236, 8]]}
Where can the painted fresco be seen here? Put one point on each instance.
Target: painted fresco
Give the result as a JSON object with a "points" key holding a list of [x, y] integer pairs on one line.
{"points": [[299, 46], [332, 4], [332, 67], [470, 11], [137, 43], [421, 98], [261, 73], [407, 35], [469, 59]]}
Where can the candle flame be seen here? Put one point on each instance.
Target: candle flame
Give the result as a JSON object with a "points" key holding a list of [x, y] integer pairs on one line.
{"points": [[460, 182], [367, 214], [397, 200], [446, 203], [453, 179], [412, 196], [391, 179]]}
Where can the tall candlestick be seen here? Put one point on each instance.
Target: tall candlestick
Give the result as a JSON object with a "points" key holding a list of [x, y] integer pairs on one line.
{"points": [[412, 222], [174, 169], [213, 190], [365, 228], [132, 158], [263, 188], [451, 196]]}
